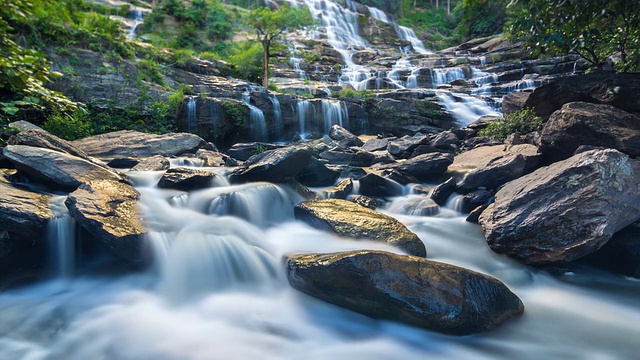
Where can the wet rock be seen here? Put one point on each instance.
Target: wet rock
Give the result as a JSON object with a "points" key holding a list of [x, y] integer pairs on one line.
{"points": [[474, 199], [375, 144], [244, 151], [426, 167], [123, 163], [367, 202], [213, 158], [404, 146], [185, 179], [581, 123], [43, 139], [339, 156], [316, 173], [128, 143], [407, 289], [495, 174], [564, 211], [23, 211], [340, 191], [274, 166], [377, 186], [621, 254], [399, 177], [417, 206], [442, 192], [351, 220], [474, 215], [56, 169], [108, 210], [154, 163], [343, 136]]}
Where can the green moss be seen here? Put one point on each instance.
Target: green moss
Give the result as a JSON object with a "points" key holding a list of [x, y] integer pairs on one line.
{"points": [[520, 123]]}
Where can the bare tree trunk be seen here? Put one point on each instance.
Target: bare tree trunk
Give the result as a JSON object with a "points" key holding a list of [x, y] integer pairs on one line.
{"points": [[265, 63], [449, 7]]}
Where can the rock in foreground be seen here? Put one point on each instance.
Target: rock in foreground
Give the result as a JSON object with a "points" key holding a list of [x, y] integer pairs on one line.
{"points": [[355, 221], [408, 289], [564, 211], [275, 166], [23, 211]]}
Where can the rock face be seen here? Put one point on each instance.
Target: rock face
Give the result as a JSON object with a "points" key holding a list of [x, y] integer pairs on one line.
{"points": [[621, 254], [316, 173], [564, 211], [274, 166], [42, 139], [343, 136], [581, 123], [154, 163], [408, 289], [377, 186], [56, 169], [341, 190], [23, 212], [426, 167], [185, 179], [354, 221], [127, 143], [493, 175], [108, 210]]}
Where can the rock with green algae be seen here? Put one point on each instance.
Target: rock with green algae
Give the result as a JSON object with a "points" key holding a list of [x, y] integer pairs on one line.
{"points": [[355, 221], [407, 289]]}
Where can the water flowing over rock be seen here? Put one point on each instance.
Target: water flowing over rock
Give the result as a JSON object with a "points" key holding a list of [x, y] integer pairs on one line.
{"points": [[154, 163], [341, 190], [581, 123], [108, 210], [127, 143], [274, 166], [408, 289], [354, 221], [22, 211], [185, 179], [56, 169], [564, 211]]}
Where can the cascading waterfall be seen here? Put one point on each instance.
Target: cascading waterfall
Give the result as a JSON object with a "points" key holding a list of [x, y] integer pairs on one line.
{"points": [[305, 111], [62, 238], [407, 34], [334, 113], [465, 108], [192, 120], [277, 116], [380, 79], [257, 123], [446, 75], [137, 20]]}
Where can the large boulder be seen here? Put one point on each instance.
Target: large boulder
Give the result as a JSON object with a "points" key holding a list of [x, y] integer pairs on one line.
{"points": [[404, 146], [153, 163], [186, 179], [128, 143], [495, 174], [341, 190], [619, 90], [377, 186], [354, 221], [276, 165], [426, 167], [243, 151], [483, 156], [43, 139], [621, 254], [407, 289], [581, 123], [22, 211], [564, 211], [109, 211], [56, 169], [316, 173], [344, 137]]}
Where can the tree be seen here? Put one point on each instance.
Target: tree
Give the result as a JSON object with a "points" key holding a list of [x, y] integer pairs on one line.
{"points": [[269, 25], [589, 28]]}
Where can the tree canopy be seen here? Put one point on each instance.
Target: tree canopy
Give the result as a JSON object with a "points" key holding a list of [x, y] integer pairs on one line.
{"points": [[592, 29], [269, 25]]}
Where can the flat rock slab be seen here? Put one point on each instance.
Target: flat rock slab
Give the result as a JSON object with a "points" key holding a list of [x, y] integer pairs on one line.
{"points": [[128, 143], [56, 169], [22, 211], [185, 179], [275, 166], [564, 211], [425, 167], [351, 220], [407, 289], [483, 156], [43, 139], [109, 211]]}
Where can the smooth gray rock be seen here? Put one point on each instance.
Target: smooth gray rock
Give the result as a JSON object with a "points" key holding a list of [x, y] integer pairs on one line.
{"points": [[341, 190], [43, 139], [564, 211], [407, 289], [426, 167], [316, 173], [23, 211], [186, 179], [343, 136], [275, 166], [377, 186], [153, 163], [495, 174]]}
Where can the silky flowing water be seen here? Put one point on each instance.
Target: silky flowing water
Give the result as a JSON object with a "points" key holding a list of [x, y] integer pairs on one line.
{"points": [[217, 290]]}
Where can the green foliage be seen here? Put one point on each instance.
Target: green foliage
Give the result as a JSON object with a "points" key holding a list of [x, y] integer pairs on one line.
{"points": [[72, 126], [247, 57], [520, 123], [589, 28], [429, 109], [348, 93], [480, 18], [273, 87], [182, 57], [149, 70]]}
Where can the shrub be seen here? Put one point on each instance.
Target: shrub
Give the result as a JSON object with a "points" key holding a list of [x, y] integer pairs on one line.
{"points": [[149, 70], [520, 123], [72, 126]]}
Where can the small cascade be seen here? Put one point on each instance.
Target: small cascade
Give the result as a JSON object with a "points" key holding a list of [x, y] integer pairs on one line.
{"points": [[446, 75], [378, 14], [481, 78], [257, 122], [455, 203], [62, 238], [305, 111], [465, 108], [295, 63], [412, 80], [277, 116], [192, 120], [185, 162], [137, 20], [334, 113], [380, 79], [521, 85], [409, 35], [415, 205]]}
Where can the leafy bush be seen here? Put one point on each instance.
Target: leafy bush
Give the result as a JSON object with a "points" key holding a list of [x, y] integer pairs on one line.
{"points": [[148, 70], [182, 57], [247, 56], [520, 123], [76, 125]]}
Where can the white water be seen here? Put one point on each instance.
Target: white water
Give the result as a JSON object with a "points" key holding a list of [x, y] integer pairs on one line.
{"points": [[465, 108], [334, 113], [305, 111], [137, 20], [218, 292], [446, 75], [257, 123], [192, 120], [409, 35], [277, 117], [62, 238]]}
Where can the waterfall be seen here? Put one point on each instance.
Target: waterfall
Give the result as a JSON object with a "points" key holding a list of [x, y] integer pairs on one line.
{"points": [[62, 238], [334, 113], [378, 14], [481, 78], [295, 62], [277, 116], [446, 75], [412, 80], [380, 79], [257, 123], [465, 108], [192, 120], [409, 35], [137, 20], [305, 113]]}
